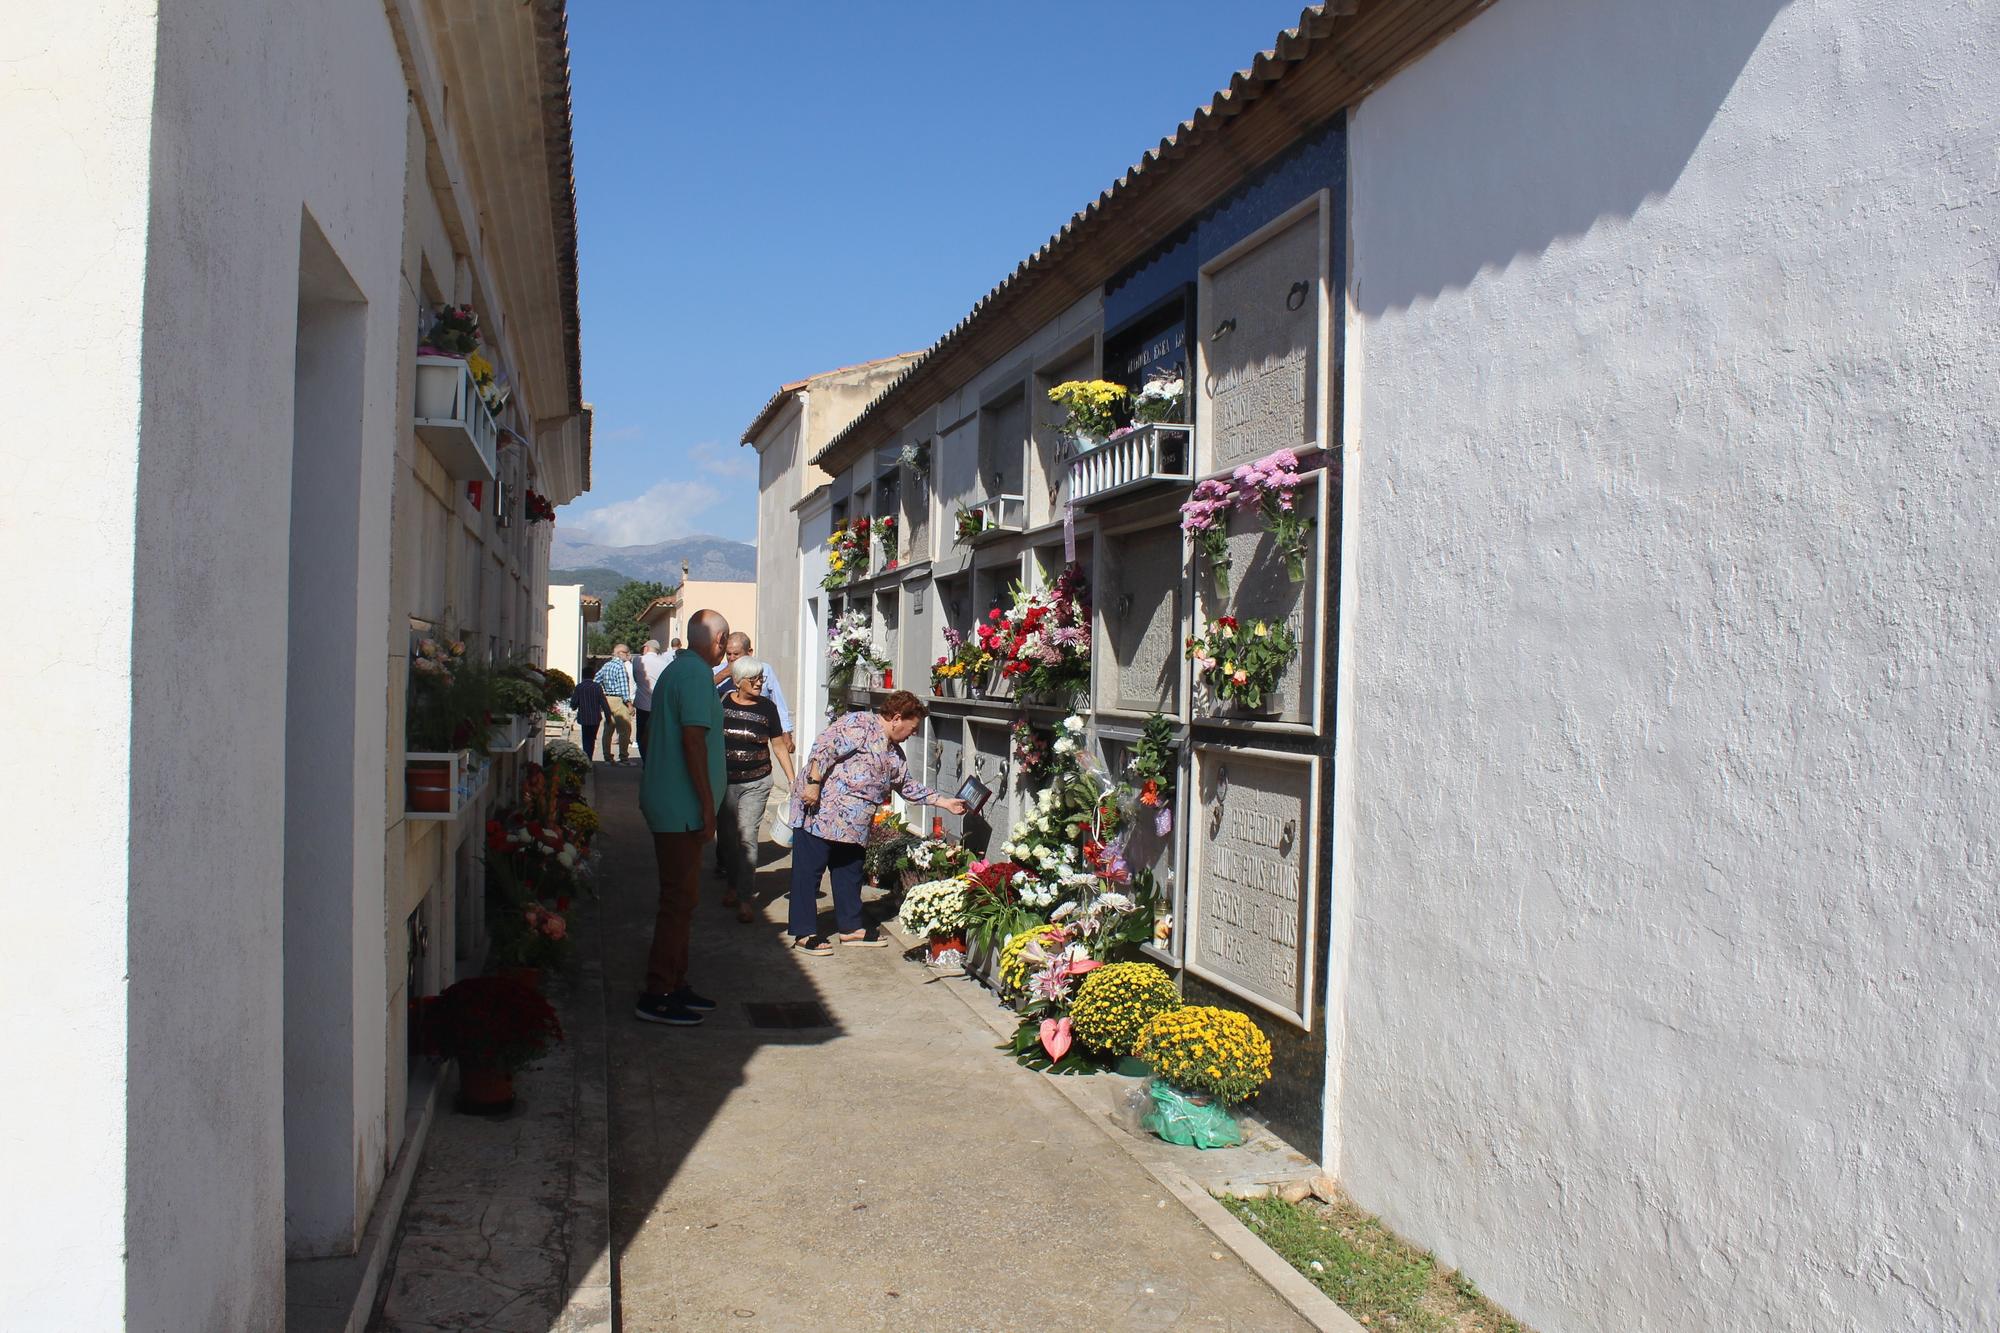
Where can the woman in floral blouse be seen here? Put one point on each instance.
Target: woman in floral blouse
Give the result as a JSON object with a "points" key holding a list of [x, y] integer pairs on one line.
{"points": [[853, 767]]}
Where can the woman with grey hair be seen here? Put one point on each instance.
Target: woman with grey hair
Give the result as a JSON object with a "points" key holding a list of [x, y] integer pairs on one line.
{"points": [[751, 737]]}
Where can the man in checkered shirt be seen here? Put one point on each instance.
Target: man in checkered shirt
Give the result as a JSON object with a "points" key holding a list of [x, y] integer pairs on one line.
{"points": [[615, 677]]}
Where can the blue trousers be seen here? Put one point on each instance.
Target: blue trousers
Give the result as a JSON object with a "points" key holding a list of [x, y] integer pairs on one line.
{"points": [[813, 856]]}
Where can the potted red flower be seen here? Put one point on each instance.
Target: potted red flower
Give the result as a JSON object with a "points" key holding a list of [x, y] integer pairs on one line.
{"points": [[492, 1026]]}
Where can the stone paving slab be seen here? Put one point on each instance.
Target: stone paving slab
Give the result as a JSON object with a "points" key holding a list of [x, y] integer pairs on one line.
{"points": [[891, 1171], [507, 1225]]}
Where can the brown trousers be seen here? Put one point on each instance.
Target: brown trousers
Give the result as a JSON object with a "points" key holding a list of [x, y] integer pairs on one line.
{"points": [[679, 857]]}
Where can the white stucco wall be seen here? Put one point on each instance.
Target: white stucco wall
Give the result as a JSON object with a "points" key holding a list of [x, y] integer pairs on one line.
{"points": [[779, 466], [76, 91], [566, 630], [261, 117], [1673, 976]]}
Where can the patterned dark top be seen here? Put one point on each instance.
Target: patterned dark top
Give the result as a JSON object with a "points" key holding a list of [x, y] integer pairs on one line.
{"points": [[747, 730]]}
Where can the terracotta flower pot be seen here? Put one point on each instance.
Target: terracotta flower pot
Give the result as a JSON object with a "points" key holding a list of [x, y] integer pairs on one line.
{"points": [[941, 945], [485, 1090], [427, 787]]}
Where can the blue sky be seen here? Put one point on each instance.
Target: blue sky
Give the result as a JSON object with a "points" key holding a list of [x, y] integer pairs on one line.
{"points": [[770, 190]]}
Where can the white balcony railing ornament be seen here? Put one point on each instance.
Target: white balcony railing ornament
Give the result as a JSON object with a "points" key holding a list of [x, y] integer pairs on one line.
{"points": [[452, 419], [1154, 453], [1001, 513]]}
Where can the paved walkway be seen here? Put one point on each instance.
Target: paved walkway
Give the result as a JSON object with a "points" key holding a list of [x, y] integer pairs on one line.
{"points": [[889, 1171]]}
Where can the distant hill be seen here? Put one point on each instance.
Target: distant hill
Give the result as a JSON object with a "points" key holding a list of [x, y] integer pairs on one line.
{"points": [[707, 558], [598, 582]]}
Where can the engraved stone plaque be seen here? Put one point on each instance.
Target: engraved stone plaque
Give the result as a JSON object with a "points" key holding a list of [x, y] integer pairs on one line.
{"points": [[913, 672], [1141, 606], [989, 750], [1261, 372], [1250, 897]]}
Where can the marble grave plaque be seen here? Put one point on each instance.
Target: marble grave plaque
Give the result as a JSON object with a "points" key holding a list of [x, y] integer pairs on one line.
{"points": [[1142, 610], [1261, 588], [1250, 898], [1262, 375]]}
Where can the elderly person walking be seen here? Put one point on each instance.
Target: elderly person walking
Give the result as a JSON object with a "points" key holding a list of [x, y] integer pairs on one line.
{"points": [[752, 736], [678, 793], [616, 678], [651, 665], [853, 767]]}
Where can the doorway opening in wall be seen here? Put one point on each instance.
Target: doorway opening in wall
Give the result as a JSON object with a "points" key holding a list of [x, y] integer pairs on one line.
{"points": [[332, 1014]]}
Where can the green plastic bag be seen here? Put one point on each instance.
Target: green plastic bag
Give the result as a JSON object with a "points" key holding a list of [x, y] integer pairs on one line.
{"points": [[1193, 1120]]}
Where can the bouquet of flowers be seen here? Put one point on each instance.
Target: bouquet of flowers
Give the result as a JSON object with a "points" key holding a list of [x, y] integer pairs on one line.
{"points": [[1241, 666], [450, 700], [454, 331], [935, 908], [535, 937], [1119, 999], [1043, 643], [1092, 409], [1032, 754], [968, 524], [538, 507], [992, 909], [885, 536], [937, 858], [1271, 484], [889, 840], [1161, 399], [488, 1023], [1205, 517], [917, 458], [851, 645], [1154, 766], [1200, 1048], [847, 559]]}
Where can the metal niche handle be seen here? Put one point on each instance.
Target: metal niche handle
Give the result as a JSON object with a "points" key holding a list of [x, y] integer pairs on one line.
{"points": [[1296, 297], [1124, 604], [1226, 326]]}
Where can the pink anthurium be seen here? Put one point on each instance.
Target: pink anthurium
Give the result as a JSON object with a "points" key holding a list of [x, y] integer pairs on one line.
{"points": [[1081, 966], [1056, 1037]]}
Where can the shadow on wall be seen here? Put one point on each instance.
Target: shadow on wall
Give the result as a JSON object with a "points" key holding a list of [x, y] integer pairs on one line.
{"points": [[1649, 79]]}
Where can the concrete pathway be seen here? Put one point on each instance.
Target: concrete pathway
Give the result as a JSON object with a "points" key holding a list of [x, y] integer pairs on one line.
{"points": [[888, 1171]]}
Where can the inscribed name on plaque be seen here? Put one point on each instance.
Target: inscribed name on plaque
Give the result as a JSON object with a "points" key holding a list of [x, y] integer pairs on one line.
{"points": [[1261, 360], [1252, 908]]}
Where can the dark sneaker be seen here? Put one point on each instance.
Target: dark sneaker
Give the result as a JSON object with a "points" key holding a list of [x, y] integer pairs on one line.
{"points": [[687, 998], [665, 1009]]}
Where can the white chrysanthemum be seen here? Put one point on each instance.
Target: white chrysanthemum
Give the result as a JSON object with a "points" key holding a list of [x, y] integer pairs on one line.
{"points": [[1073, 725], [1064, 745]]}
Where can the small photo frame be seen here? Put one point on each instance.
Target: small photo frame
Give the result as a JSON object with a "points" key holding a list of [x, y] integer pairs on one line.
{"points": [[975, 794]]}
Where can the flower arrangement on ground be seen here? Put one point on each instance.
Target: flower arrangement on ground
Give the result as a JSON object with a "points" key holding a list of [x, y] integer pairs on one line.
{"points": [[580, 819], [567, 762], [967, 524], [935, 908], [889, 840], [1119, 999], [1271, 486], [993, 911], [454, 331], [1205, 517], [1162, 398], [935, 858], [1201, 1048], [492, 1023], [847, 557], [537, 937], [886, 538], [1043, 643], [1092, 408], [1241, 666], [850, 646]]}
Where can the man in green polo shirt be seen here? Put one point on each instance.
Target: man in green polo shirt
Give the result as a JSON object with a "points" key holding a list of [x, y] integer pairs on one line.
{"points": [[678, 790]]}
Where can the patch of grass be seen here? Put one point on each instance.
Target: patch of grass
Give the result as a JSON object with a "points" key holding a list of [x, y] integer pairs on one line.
{"points": [[1372, 1273]]}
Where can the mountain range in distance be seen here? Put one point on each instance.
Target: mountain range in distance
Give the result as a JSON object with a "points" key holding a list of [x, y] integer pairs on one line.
{"points": [[602, 570]]}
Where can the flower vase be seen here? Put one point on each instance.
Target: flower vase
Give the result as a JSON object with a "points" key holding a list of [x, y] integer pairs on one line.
{"points": [[485, 1090], [1295, 564]]}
